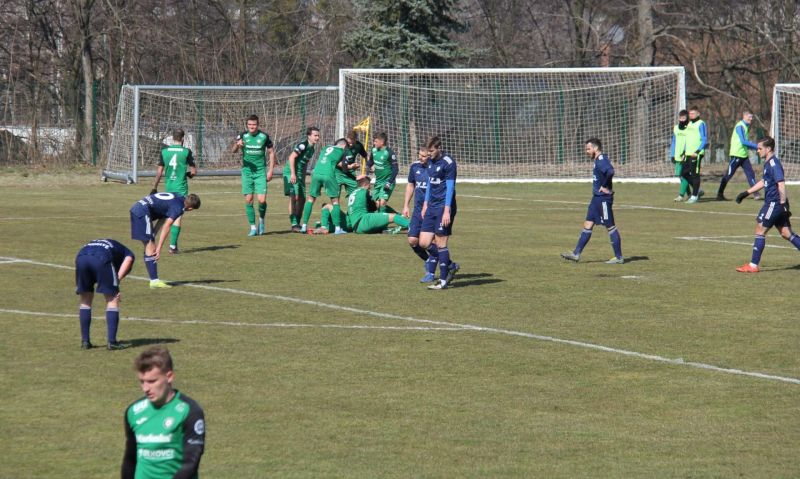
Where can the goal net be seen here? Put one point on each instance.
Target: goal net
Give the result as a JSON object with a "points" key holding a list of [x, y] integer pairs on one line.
{"points": [[786, 127], [522, 124], [211, 118]]}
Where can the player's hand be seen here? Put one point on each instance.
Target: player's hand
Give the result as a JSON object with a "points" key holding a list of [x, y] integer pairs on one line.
{"points": [[240, 142], [293, 179], [446, 217], [406, 213], [118, 297], [741, 196], [269, 175], [153, 191], [786, 211], [387, 187], [424, 209], [672, 159]]}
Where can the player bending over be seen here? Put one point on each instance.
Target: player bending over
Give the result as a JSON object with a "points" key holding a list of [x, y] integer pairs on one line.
{"points": [[162, 209], [176, 164], [775, 211], [323, 177], [361, 217], [601, 207]]}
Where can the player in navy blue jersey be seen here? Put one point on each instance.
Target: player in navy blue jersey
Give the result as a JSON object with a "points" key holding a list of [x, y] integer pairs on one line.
{"points": [[439, 211], [601, 207], [416, 187], [103, 262], [775, 211], [155, 213]]}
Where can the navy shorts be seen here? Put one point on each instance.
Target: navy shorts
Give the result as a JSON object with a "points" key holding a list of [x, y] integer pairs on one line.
{"points": [[772, 214], [91, 269], [432, 223], [415, 223], [601, 211], [141, 226]]}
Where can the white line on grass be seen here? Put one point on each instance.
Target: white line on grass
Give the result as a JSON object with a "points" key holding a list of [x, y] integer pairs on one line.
{"points": [[619, 206], [471, 327], [712, 239], [240, 324]]}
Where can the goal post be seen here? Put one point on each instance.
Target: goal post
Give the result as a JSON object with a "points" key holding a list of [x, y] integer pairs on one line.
{"points": [[522, 124], [211, 116], [785, 127]]}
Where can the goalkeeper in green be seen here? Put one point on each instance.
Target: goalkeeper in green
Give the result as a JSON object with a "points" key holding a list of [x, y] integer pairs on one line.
{"points": [[255, 144], [176, 165], [383, 162], [361, 217]]}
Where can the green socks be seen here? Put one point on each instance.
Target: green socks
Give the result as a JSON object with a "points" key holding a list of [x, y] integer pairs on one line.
{"points": [[307, 212], [684, 186], [174, 232], [337, 216], [262, 210], [251, 213], [401, 220]]}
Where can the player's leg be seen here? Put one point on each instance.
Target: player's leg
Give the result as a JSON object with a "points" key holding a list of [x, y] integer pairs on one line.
{"points": [[684, 184], [697, 192], [749, 174], [248, 189], [607, 220], [764, 221], [174, 233], [84, 287], [260, 190], [332, 190], [733, 165], [592, 216], [85, 318], [108, 285], [372, 223], [262, 213]]}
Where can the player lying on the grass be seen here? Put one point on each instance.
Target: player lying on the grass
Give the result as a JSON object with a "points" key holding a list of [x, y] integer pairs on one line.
{"points": [[347, 170], [323, 176], [103, 262], [738, 155], [294, 175], [775, 211], [439, 211], [255, 144], [162, 209], [361, 217], [176, 164], [165, 431], [383, 162], [601, 206], [417, 186]]}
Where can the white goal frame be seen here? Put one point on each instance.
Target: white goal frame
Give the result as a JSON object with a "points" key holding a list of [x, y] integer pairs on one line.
{"points": [[347, 118]]}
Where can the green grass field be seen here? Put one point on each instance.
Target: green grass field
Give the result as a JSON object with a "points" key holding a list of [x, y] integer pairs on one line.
{"points": [[324, 356]]}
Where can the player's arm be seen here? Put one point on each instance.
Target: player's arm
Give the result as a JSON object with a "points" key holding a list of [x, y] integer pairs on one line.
{"points": [[370, 161], [703, 138], [409, 192], [159, 174], [758, 186], [743, 139], [292, 161], [271, 166], [238, 144], [193, 442], [126, 266], [672, 149], [162, 236], [450, 190], [192, 166], [395, 170], [128, 469]]}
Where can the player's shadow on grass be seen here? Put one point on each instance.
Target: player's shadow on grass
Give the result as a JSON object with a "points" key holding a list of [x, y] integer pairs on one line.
{"points": [[202, 281], [139, 342], [628, 259], [795, 267], [474, 279], [281, 232], [210, 248]]}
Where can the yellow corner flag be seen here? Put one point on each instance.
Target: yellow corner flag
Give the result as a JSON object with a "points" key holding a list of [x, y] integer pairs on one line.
{"points": [[363, 126]]}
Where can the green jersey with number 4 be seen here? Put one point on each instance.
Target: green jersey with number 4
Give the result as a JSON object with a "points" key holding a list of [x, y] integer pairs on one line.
{"points": [[176, 161]]}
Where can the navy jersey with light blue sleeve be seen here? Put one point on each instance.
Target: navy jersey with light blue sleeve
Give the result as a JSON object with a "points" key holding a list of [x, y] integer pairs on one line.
{"points": [[602, 174], [441, 172], [773, 174], [418, 176], [108, 250], [159, 206]]}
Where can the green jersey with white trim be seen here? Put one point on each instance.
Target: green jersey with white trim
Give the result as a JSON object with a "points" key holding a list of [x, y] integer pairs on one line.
{"points": [[176, 161], [163, 441], [254, 151], [357, 206], [327, 161], [305, 151]]}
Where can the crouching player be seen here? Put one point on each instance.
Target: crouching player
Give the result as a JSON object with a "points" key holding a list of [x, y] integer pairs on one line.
{"points": [[439, 210], [163, 209], [103, 262], [359, 218], [416, 187], [600, 208], [775, 211]]}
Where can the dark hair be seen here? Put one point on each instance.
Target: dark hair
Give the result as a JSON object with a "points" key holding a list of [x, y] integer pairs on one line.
{"points": [[178, 134], [253, 118], [434, 142], [365, 179], [192, 201], [382, 136], [595, 142], [352, 135], [695, 109], [311, 129], [768, 142], [341, 142], [683, 113], [747, 112], [155, 357]]}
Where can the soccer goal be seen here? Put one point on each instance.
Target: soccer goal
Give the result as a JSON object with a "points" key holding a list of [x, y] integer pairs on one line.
{"points": [[522, 124], [785, 127], [212, 116]]}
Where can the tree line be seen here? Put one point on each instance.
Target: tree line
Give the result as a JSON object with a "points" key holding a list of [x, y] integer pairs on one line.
{"points": [[63, 62]]}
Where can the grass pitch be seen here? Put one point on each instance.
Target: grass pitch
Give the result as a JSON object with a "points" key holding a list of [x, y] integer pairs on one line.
{"points": [[324, 357]]}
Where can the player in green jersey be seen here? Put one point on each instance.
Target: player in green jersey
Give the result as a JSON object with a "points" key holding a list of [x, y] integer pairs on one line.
{"points": [[383, 162], [361, 217], [255, 144], [324, 177], [294, 175], [165, 430], [346, 173], [176, 165]]}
